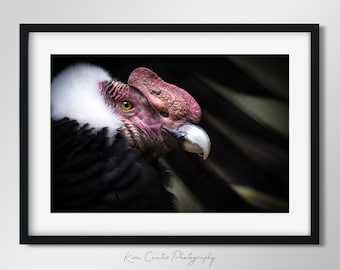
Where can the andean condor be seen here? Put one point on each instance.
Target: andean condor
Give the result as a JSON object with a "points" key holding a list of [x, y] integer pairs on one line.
{"points": [[107, 135]]}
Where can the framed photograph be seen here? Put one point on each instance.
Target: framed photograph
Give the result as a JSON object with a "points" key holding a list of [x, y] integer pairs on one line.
{"points": [[169, 134]]}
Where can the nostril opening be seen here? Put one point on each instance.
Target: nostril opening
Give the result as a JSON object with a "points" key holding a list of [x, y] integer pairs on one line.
{"points": [[164, 114]]}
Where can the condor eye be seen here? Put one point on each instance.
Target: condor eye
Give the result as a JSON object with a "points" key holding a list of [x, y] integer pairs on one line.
{"points": [[126, 105]]}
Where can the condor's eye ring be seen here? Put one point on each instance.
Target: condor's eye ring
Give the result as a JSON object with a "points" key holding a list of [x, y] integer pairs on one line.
{"points": [[126, 105]]}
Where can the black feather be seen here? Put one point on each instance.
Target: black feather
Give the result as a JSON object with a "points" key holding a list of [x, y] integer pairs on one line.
{"points": [[89, 173]]}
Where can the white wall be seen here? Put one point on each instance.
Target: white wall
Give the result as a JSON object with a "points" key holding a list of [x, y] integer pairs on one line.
{"points": [[14, 12]]}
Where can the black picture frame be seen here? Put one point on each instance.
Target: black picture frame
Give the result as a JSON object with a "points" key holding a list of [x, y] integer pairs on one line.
{"points": [[26, 238]]}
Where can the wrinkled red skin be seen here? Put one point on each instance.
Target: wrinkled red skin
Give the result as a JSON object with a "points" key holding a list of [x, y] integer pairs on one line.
{"points": [[158, 109], [166, 97]]}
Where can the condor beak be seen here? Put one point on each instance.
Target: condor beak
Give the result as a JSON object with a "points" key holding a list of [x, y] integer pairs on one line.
{"points": [[195, 139]]}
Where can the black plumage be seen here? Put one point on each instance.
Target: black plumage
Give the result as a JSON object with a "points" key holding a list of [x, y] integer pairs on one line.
{"points": [[89, 173]]}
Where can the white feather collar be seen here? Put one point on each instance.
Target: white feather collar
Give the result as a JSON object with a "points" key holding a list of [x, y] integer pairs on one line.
{"points": [[75, 94]]}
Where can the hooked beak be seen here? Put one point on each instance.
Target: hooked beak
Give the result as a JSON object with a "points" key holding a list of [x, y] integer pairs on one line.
{"points": [[194, 139]]}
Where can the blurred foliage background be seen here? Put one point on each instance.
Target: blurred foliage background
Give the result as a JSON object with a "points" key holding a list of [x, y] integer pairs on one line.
{"points": [[245, 111]]}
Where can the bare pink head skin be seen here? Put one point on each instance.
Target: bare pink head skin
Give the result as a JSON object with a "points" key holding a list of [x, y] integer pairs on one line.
{"points": [[156, 116]]}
